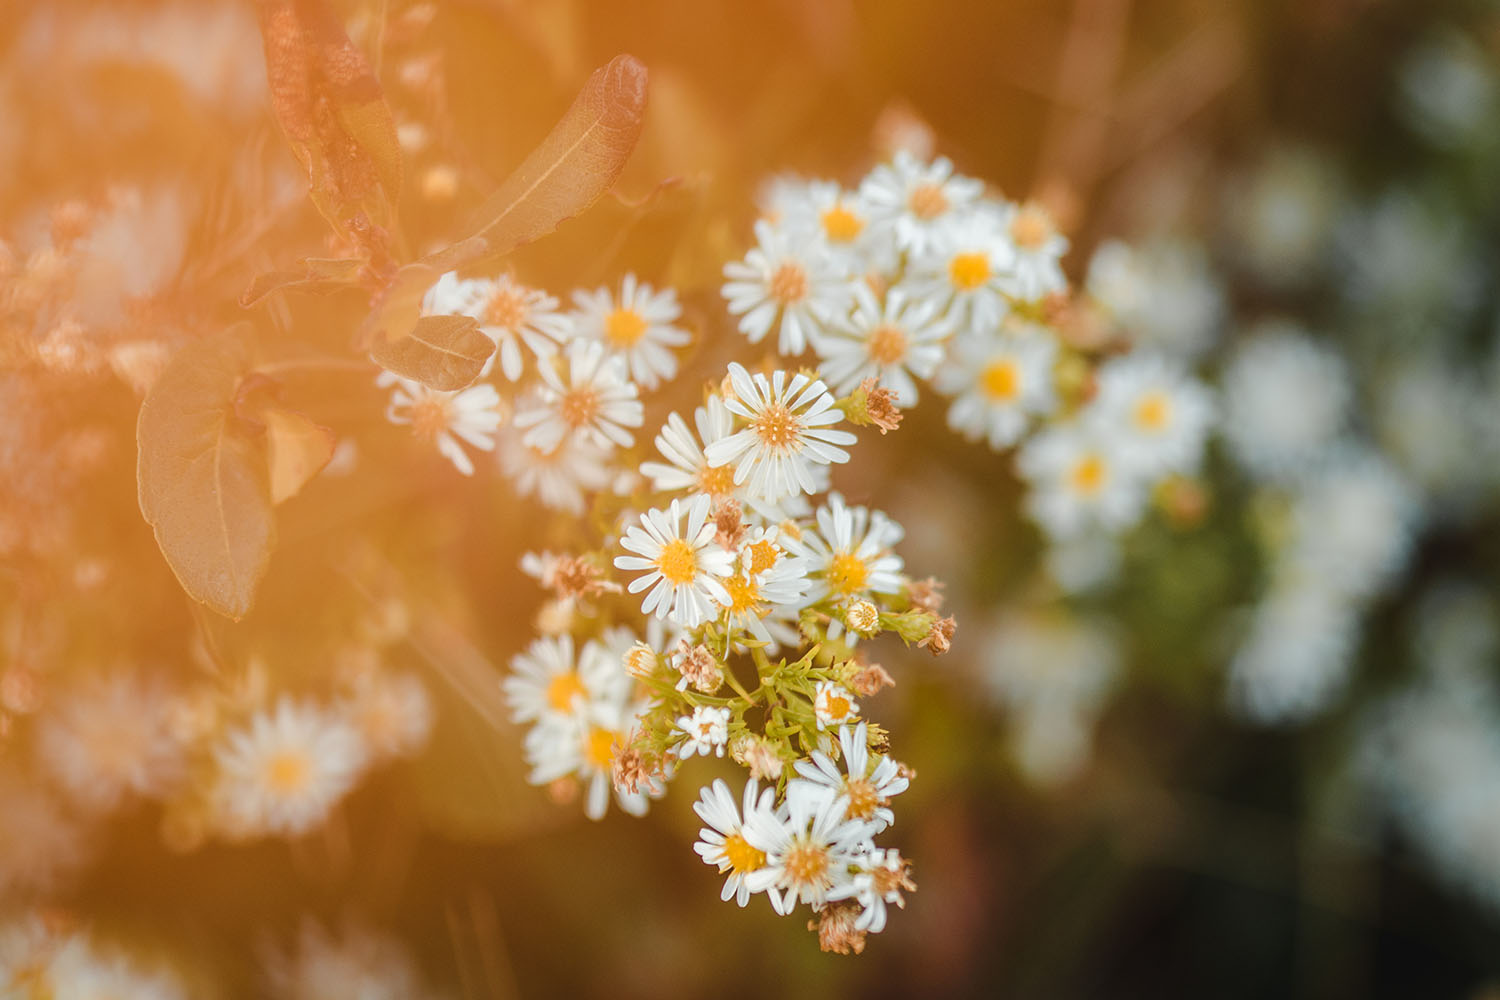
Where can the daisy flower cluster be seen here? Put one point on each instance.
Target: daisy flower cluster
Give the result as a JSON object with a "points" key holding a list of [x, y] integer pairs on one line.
{"points": [[917, 275], [574, 379], [725, 614]]}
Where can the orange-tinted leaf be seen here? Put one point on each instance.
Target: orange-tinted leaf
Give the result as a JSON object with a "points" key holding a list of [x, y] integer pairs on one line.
{"points": [[442, 352], [577, 162], [335, 117], [201, 478], [296, 450], [316, 274]]}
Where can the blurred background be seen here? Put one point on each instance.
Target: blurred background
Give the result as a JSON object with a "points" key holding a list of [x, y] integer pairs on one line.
{"points": [[1175, 774]]}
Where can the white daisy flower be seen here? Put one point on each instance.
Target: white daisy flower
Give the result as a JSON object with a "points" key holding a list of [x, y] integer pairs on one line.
{"points": [[548, 681], [909, 200], [834, 705], [282, 772], [866, 785], [786, 282], [392, 712], [597, 402], [707, 732], [1000, 380], [558, 478], [636, 326], [1164, 294], [684, 568], [880, 877], [789, 431], [809, 852], [1077, 482], [686, 468], [889, 342], [585, 748], [968, 271], [1286, 400], [1039, 250], [729, 841], [1159, 417], [840, 221], [111, 738], [470, 415], [850, 554], [508, 312], [767, 588]]}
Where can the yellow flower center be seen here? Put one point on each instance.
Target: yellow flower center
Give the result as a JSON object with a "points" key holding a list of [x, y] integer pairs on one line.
{"points": [[1002, 380], [562, 689], [777, 427], [806, 864], [623, 327], [678, 562], [429, 416], [1089, 474], [836, 706], [1030, 228], [847, 573], [887, 344], [507, 308], [763, 555], [579, 407], [863, 799], [842, 225], [744, 593], [600, 747], [716, 480], [969, 271], [1154, 411], [789, 284], [927, 201], [288, 773], [741, 856]]}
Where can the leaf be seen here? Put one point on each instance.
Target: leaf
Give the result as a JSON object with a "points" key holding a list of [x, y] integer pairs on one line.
{"points": [[296, 451], [316, 274], [577, 162], [334, 115], [202, 479], [441, 352]]}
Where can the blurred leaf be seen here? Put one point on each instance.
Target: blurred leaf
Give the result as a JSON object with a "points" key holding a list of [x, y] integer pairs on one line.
{"points": [[201, 479], [441, 352], [577, 162], [335, 117], [296, 450], [316, 274]]}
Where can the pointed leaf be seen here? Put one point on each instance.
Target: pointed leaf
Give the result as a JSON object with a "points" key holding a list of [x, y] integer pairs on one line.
{"points": [[202, 479], [577, 162], [296, 450], [315, 274], [441, 352]]}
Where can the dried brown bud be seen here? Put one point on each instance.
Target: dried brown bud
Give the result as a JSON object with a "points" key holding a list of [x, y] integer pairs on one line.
{"points": [[634, 771], [926, 595], [870, 680], [729, 523], [757, 755], [941, 637], [576, 576], [699, 668], [835, 927], [880, 406]]}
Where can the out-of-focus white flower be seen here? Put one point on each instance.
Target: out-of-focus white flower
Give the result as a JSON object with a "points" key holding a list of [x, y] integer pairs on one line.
{"points": [[1282, 213], [1001, 379], [1164, 294], [839, 221], [39, 842], [392, 712], [597, 401], [789, 283], [508, 312], [444, 418], [637, 325], [109, 738], [558, 478], [909, 201], [1297, 654], [1078, 482], [357, 964], [967, 271], [1039, 249], [1286, 400], [284, 771], [1158, 417], [1447, 88], [547, 682], [79, 969], [890, 342]]}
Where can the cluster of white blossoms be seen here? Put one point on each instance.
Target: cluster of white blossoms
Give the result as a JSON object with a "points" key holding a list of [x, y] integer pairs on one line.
{"points": [[42, 957], [917, 275], [574, 380], [1340, 520]]}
